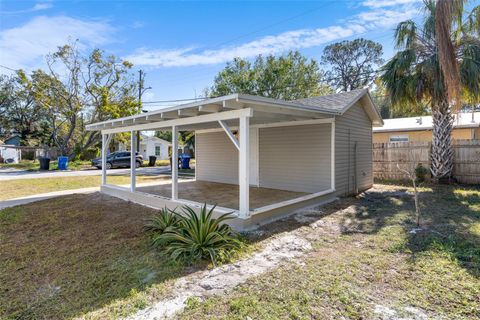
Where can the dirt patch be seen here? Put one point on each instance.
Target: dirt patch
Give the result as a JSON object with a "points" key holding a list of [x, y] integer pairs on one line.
{"points": [[207, 283]]}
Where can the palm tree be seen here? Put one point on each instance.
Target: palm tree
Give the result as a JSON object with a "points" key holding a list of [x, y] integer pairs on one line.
{"points": [[414, 75]]}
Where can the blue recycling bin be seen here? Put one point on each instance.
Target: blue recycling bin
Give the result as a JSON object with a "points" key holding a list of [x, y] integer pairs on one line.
{"points": [[62, 163], [185, 161]]}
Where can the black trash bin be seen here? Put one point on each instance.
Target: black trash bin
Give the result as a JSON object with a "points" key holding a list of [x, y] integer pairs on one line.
{"points": [[151, 161], [179, 163], [44, 163]]}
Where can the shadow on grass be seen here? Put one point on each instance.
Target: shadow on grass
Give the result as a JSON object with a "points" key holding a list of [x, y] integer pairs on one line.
{"points": [[449, 222], [71, 255]]}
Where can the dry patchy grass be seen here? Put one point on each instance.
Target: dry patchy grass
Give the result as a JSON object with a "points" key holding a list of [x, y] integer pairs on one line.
{"points": [[79, 255], [371, 260]]}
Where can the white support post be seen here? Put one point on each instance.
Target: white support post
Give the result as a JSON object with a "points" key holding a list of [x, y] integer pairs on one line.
{"points": [[104, 159], [133, 160], [174, 163], [243, 167], [332, 165]]}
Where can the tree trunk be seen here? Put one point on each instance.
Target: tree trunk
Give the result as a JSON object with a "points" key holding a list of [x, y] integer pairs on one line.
{"points": [[442, 149]]}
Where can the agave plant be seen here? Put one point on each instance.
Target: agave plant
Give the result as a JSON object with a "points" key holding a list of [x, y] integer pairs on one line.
{"points": [[164, 220], [199, 236]]}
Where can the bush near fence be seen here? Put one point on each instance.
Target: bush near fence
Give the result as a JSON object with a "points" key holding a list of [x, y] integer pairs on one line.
{"points": [[407, 155]]}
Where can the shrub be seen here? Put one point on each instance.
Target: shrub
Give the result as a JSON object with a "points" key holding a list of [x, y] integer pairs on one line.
{"points": [[197, 236], [159, 223], [421, 173]]}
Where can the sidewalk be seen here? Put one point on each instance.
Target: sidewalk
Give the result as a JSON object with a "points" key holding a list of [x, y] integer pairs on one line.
{"points": [[14, 174], [43, 196]]}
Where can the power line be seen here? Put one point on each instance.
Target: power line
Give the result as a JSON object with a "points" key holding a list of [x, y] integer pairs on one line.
{"points": [[8, 68], [274, 24], [325, 80]]}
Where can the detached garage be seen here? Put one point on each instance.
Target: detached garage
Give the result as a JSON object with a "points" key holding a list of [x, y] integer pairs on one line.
{"points": [[260, 158]]}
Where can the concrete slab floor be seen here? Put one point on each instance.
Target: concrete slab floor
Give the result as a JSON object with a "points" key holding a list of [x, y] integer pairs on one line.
{"points": [[222, 194]]}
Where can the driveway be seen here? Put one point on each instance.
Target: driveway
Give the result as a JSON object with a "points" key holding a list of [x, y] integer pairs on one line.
{"points": [[14, 174]]}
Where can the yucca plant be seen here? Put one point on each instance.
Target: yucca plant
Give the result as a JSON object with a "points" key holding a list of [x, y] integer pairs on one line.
{"points": [[165, 219], [199, 236]]}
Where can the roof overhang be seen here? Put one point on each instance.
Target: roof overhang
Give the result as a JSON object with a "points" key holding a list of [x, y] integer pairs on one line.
{"points": [[205, 114], [369, 106]]}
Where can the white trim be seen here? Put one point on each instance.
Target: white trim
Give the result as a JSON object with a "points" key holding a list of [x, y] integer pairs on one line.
{"points": [[399, 138], [254, 157], [244, 167], [226, 115], [174, 163], [291, 201], [294, 123], [104, 159], [275, 124], [332, 151], [232, 101], [133, 160], [229, 133], [195, 154]]}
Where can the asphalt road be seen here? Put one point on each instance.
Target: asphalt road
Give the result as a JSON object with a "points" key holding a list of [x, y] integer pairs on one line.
{"points": [[14, 174]]}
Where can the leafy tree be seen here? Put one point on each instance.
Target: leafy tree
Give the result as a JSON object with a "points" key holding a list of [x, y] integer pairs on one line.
{"points": [[187, 138], [19, 113], [352, 63], [78, 90], [388, 110], [287, 77], [414, 75]]}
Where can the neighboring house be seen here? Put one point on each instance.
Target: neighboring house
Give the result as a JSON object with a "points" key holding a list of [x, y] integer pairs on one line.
{"points": [[13, 140], [150, 146], [257, 157], [153, 146], [465, 126]]}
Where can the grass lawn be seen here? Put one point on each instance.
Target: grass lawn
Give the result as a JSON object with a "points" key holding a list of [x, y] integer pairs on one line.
{"points": [[68, 256], [86, 256], [369, 262], [24, 187]]}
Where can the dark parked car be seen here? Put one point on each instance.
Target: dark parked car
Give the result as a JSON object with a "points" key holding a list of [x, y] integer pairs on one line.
{"points": [[118, 159]]}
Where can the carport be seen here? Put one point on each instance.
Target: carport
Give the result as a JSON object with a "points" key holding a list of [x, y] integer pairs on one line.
{"points": [[274, 155]]}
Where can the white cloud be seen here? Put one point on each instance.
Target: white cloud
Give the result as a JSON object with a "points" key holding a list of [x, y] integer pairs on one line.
{"points": [[298, 39], [25, 46], [37, 7], [386, 3], [42, 6], [370, 20]]}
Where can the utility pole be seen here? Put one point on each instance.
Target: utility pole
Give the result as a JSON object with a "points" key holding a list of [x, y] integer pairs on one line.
{"points": [[141, 91]]}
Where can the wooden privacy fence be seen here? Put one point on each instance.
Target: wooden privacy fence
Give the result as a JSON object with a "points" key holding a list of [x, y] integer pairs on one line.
{"points": [[408, 155]]}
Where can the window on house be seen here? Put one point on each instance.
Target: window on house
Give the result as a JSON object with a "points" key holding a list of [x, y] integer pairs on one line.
{"points": [[157, 150], [399, 138]]}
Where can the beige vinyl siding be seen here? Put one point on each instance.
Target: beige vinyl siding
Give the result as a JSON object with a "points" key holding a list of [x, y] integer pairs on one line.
{"points": [[295, 158], [216, 158], [359, 124]]}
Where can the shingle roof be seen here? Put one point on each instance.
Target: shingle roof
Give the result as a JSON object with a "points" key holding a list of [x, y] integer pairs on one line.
{"points": [[335, 102]]}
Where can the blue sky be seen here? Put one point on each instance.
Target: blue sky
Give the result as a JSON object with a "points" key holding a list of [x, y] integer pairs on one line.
{"points": [[182, 45]]}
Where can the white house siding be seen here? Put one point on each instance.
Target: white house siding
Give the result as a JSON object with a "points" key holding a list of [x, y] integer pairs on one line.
{"points": [[295, 158], [355, 121], [150, 150], [216, 158]]}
